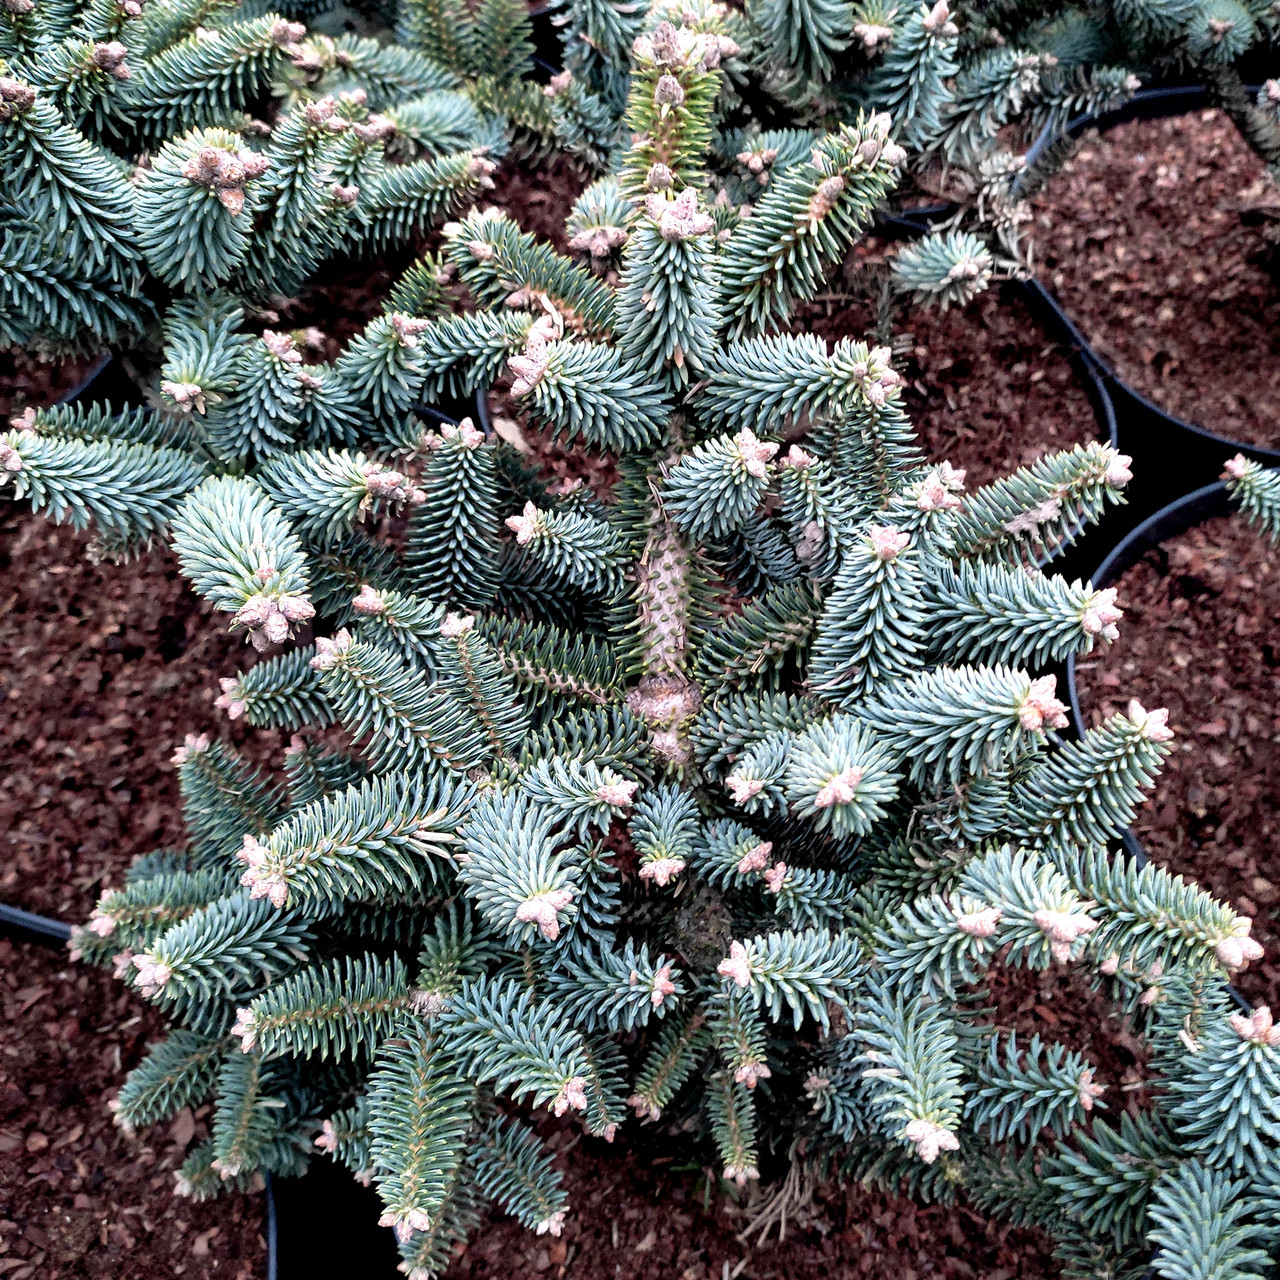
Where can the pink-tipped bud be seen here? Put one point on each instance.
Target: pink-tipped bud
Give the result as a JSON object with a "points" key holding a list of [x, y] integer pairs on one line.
{"points": [[662, 986], [543, 910], [368, 602], [1063, 928], [526, 526], [751, 1073], [245, 1028], [1257, 1027], [644, 1109], [284, 34], [530, 367], [1153, 725], [841, 788], [936, 495], [229, 699], [1040, 709], [1118, 474], [573, 1096], [10, 458], [1101, 615], [930, 1139], [1238, 949], [736, 965], [454, 626], [329, 652], [193, 744], [888, 543], [1088, 1092], [755, 859], [616, 794], [661, 870], [979, 924], [753, 453], [743, 789]]}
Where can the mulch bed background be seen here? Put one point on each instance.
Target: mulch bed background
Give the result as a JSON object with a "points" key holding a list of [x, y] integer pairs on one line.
{"points": [[105, 668], [79, 1200], [1140, 237]]}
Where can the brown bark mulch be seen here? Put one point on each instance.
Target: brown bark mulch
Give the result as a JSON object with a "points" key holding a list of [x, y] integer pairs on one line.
{"points": [[1141, 238], [1200, 637]]}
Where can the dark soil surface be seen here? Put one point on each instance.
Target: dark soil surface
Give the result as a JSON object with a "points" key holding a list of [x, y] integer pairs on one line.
{"points": [[635, 1217], [1200, 637], [25, 379], [1141, 238], [103, 670], [987, 390], [646, 1214], [539, 196], [79, 1200]]}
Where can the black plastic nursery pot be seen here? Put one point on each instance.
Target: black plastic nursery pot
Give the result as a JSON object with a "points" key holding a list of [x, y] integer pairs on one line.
{"points": [[1203, 449], [1176, 517]]}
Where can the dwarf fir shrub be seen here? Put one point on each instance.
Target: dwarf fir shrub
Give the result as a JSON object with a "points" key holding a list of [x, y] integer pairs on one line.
{"points": [[133, 167], [705, 802]]}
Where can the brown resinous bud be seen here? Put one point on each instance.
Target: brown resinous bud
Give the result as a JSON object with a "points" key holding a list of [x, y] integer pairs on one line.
{"points": [[15, 97], [667, 92], [659, 178], [109, 57], [377, 128], [320, 114], [825, 197], [678, 219], [329, 652], [267, 619], [599, 242], [406, 329], [665, 47], [288, 36], [754, 455], [530, 367], [390, 485], [225, 173]]}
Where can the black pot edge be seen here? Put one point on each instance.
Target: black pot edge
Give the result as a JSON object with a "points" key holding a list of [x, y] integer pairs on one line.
{"points": [[33, 928], [1177, 517], [96, 370], [1146, 104], [26, 926]]}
